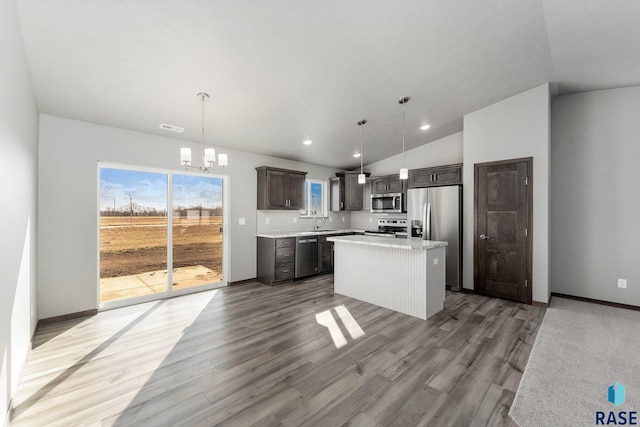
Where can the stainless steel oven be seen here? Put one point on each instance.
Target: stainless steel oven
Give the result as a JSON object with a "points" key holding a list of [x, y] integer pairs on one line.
{"points": [[388, 203], [390, 227]]}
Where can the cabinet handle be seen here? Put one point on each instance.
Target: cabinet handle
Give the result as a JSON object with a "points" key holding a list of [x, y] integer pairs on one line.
{"points": [[285, 271]]}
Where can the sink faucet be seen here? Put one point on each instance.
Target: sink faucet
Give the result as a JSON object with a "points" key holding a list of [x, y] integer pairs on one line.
{"points": [[316, 227]]}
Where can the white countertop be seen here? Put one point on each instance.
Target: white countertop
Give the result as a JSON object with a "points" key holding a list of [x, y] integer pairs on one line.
{"points": [[411, 244], [281, 234]]}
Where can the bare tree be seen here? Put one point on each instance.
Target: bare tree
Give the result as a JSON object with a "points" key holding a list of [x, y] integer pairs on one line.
{"points": [[130, 210]]}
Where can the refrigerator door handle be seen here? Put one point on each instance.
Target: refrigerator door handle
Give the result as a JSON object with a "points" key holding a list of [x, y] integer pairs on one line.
{"points": [[428, 223], [424, 221]]}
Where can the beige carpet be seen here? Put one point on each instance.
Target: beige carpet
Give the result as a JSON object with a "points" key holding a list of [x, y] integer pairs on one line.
{"points": [[581, 349]]}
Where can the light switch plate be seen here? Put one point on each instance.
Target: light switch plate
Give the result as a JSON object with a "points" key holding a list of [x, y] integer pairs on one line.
{"points": [[330, 219], [266, 220], [622, 283], [435, 261], [242, 221], [295, 219], [342, 219]]}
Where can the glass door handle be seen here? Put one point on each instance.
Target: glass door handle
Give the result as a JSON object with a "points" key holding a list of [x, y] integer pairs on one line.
{"points": [[483, 237]]}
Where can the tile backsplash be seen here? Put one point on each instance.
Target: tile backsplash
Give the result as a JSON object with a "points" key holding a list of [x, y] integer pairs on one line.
{"points": [[274, 221]]}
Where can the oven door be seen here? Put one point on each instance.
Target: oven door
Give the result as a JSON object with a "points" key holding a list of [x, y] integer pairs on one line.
{"points": [[391, 202]]}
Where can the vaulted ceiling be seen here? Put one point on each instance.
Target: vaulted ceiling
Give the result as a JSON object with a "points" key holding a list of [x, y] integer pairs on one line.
{"points": [[280, 72]]}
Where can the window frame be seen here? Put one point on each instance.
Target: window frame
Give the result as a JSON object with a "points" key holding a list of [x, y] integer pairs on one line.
{"points": [[226, 251], [306, 213]]}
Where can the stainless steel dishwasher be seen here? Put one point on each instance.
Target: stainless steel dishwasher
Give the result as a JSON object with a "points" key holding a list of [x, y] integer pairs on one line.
{"points": [[306, 256]]}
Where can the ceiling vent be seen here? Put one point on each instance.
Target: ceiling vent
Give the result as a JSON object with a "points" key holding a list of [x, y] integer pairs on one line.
{"points": [[171, 128]]}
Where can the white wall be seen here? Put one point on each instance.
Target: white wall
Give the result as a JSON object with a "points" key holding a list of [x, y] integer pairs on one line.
{"points": [[444, 151], [514, 128], [19, 174], [595, 153], [69, 152]]}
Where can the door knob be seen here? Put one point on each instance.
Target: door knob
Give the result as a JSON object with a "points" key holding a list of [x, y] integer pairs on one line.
{"points": [[483, 237]]}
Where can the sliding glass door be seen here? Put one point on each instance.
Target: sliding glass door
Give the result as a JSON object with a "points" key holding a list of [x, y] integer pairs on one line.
{"points": [[148, 251], [197, 230]]}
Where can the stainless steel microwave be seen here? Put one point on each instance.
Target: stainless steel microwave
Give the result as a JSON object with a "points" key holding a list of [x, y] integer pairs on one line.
{"points": [[387, 203]]}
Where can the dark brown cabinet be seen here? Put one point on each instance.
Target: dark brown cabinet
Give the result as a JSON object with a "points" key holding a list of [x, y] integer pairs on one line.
{"points": [[280, 189], [346, 193], [325, 255], [387, 184], [276, 257], [431, 177], [276, 260]]}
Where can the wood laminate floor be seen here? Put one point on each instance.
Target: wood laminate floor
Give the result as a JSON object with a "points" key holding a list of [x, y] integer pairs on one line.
{"points": [[291, 355]]}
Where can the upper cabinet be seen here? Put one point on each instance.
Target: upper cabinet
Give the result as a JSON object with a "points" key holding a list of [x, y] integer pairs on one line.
{"points": [[432, 177], [280, 189], [387, 184], [346, 193]]}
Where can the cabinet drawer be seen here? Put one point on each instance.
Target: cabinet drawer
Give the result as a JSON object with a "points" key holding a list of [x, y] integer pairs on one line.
{"points": [[284, 272], [287, 242], [284, 255]]}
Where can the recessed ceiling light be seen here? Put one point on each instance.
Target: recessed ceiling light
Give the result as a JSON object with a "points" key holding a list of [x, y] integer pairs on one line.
{"points": [[307, 142], [172, 128], [356, 155], [425, 127]]}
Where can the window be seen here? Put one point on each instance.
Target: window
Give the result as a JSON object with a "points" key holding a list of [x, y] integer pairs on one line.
{"points": [[315, 198]]}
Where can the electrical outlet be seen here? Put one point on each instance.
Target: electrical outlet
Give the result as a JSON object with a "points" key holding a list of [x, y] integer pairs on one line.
{"points": [[342, 219], [622, 283], [330, 219], [295, 219], [266, 220], [242, 221], [435, 261], [370, 219]]}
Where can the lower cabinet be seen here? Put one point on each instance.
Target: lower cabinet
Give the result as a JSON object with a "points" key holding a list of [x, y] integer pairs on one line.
{"points": [[325, 255], [276, 260]]}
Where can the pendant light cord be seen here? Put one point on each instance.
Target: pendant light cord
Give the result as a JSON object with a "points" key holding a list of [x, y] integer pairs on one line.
{"points": [[403, 130], [361, 149], [203, 156]]}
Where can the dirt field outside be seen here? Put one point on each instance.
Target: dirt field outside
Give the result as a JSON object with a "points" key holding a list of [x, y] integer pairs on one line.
{"points": [[133, 245]]}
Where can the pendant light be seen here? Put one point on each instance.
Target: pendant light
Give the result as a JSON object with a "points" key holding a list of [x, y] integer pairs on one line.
{"points": [[404, 172], [362, 178], [208, 154]]}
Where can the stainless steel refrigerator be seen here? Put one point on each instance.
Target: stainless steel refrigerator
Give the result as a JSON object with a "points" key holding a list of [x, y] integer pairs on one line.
{"points": [[435, 213]]}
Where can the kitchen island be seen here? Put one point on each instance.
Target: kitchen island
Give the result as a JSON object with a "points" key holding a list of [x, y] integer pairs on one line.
{"points": [[405, 275]]}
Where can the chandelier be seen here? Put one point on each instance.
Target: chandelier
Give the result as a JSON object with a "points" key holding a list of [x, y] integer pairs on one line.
{"points": [[208, 154]]}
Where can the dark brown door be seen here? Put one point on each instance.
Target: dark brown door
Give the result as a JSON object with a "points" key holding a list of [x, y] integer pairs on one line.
{"points": [[354, 192], [394, 184], [277, 189], [380, 186], [502, 249], [296, 191]]}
